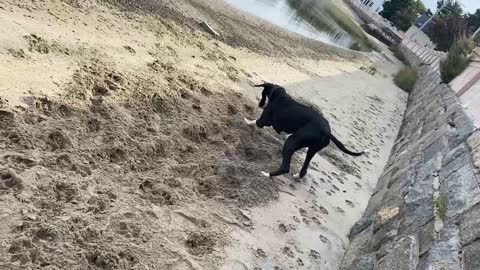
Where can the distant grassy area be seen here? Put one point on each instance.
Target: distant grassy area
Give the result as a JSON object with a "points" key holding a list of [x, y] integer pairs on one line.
{"points": [[406, 78], [347, 24], [457, 60], [327, 17]]}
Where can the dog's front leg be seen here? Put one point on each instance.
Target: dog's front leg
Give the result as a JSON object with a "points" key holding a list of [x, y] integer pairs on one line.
{"points": [[289, 148], [265, 119], [250, 122]]}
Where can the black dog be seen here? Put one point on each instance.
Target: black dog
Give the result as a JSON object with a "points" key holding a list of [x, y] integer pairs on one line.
{"points": [[308, 127]]}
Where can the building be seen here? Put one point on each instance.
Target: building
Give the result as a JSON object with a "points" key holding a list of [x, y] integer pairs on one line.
{"points": [[375, 6]]}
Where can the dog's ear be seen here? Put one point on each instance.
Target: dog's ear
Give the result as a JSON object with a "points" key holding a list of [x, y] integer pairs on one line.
{"points": [[265, 84], [266, 88], [264, 98]]}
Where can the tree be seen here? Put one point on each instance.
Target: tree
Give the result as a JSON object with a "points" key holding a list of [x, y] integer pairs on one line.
{"points": [[474, 23], [446, 29], [452, 7], [474, 19], [451, 24], [402, 13]]}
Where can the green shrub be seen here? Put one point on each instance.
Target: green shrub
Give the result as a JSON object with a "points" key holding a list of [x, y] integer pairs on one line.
{"points": [[406, 78], [441, 206], [457, 59]]}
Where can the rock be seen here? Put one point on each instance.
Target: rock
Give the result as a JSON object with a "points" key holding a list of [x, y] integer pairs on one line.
{"points": [[461, 189], [363, 263], [29, 100], [209, 29], [470, 225], [383, 235], [435, 148], [361, 225], [474, 140], [384, 216], [402, 257], [426, 237], [443, 255], [357, 248], [471, 256], [453, 161], [418, 209]]}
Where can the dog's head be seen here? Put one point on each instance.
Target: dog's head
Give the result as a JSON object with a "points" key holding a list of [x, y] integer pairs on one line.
{"points": [[269, 91]]}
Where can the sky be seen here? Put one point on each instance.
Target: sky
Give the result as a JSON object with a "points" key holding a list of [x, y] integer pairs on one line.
{"points": [[469, 5]]}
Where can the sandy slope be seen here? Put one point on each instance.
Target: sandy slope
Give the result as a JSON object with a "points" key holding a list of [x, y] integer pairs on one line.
{"points": [[122, 144]]}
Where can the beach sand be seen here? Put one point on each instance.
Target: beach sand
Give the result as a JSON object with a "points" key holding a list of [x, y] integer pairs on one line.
{"points": [[123, 146]]}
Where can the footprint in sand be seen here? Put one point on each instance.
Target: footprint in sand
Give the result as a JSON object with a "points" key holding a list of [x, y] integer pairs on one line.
{"points": [[300, 262], [314, 254], [288, 252], [306, 221], [324, 239], [292, 187], [303, 212], [296, 219], [358, 184], [329, 193], [349, 203], [260, 253], [336, 188], [316, 220], [340, 210], [283, 228], [323, 210]]}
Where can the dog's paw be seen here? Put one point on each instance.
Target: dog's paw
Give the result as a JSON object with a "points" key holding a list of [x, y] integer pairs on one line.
{"points": [[265, 174], [296, 176], [249, 122], [366, 151]]}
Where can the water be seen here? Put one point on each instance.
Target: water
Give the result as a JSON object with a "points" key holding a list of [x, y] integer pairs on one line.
{"points": [[308, 18]]}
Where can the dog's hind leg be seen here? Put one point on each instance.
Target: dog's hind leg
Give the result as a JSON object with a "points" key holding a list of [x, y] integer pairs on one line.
{"points": [[310, 154], [291, 145]]}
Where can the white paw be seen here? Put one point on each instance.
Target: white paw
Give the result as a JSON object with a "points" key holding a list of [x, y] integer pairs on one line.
{"points": [[249, 122], [296, 176], [265, 174], [366, 151]]}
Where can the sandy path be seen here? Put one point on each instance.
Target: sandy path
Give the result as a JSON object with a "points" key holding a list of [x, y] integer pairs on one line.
{"points": [[314, 217], [139, 158]]}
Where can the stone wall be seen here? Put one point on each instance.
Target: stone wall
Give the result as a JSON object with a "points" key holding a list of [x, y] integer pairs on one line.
{"points": [[425, 211]]}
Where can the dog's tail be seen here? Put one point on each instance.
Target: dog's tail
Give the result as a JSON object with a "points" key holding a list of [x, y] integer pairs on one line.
{"points": [[342, 147]]}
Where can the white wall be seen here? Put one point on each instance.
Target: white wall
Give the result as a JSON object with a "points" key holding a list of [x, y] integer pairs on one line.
{"points": [[420, 37], [374, 5]]}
